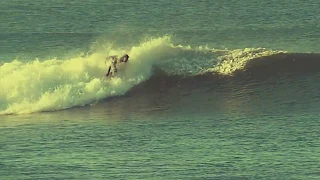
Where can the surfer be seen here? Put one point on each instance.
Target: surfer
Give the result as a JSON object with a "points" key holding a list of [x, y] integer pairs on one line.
{"points": [[114, 61]]}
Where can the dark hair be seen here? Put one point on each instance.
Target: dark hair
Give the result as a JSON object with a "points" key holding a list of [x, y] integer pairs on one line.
{"points": [[124, 58]]}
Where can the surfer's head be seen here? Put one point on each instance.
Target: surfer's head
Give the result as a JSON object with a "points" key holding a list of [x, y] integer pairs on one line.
{"points": [[125, 58]]}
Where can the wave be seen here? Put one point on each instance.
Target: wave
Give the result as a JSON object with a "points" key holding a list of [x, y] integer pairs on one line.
{"points": [[282, 63], [55, 84]]}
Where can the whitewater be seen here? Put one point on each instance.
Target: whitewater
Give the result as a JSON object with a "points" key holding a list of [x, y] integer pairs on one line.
{"points": [[56, 84]]}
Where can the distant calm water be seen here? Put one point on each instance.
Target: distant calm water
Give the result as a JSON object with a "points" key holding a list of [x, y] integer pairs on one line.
{"points": [[212, 90]]}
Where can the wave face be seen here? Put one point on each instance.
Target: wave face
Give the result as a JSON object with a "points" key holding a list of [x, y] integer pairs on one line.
{"points": [[57, 84]]}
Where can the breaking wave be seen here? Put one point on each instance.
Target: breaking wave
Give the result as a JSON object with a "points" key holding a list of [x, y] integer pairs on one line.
{"points": [[55, 84]]}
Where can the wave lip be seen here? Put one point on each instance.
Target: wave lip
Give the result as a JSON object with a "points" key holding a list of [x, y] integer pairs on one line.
{"points": [[236, 60]]}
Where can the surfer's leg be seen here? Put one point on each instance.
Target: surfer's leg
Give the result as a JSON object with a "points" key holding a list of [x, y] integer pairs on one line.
{"points": [[109, 70]]}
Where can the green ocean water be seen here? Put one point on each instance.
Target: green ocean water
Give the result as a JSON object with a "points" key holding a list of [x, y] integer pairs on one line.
{"points": [[60, 119], [50, 28]]}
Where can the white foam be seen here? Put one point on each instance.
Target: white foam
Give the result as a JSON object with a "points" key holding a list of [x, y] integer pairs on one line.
{"points": [[185, 60], [53, 84], [237, 59]]}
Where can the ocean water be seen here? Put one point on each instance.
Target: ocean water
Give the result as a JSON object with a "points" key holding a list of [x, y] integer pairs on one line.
{"points": [[212, 90]]}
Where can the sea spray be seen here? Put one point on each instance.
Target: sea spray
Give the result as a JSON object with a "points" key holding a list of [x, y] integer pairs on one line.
{"points": [[55, 84], [237, 59]]}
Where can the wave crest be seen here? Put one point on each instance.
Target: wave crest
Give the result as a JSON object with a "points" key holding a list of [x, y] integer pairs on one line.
{"points": [[56, 84]]}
